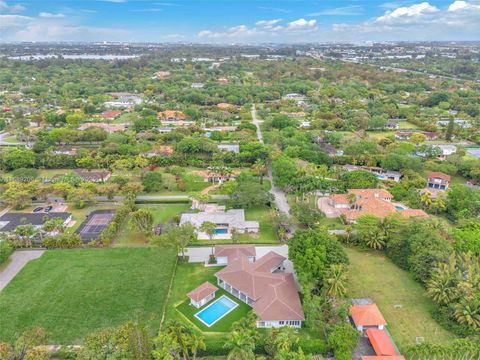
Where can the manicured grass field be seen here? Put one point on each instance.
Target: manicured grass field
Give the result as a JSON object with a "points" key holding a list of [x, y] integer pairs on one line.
{"points": [[71, 293], [402, 301], [189, 276], [162, 213]]}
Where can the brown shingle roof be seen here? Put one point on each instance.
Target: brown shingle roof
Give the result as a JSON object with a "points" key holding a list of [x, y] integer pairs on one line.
{"points": [[274, 295], [367, 315], [202, 291]]}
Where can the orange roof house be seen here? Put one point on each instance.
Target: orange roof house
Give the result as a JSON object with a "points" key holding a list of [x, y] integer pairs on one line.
{"points": [[438, 180], [171, 115], [225, 106], [110, 128], [111, 114], [413, 213], [262, 284], [367, 316], [374, 357], [381, 342], [202, 294]]}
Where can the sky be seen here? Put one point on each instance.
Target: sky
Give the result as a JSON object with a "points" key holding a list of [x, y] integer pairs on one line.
{"points": [[239, 21]]}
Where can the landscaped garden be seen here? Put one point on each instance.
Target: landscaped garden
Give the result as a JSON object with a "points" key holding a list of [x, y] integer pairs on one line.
{"points": [[71, 293], [402, 301]]}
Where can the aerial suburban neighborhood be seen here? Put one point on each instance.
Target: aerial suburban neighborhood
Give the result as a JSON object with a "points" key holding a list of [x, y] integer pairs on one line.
{"points": [[262, 191]]}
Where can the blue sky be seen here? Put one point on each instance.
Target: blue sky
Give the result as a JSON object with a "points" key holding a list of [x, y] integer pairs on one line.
{"points": [[246, 21]]}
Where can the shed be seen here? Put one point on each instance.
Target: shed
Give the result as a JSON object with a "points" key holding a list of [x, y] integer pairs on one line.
{"points": [[202, 294], [381, 342], [367, 316]]}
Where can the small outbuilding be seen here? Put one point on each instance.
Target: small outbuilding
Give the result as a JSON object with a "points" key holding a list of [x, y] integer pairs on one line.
{"points": [[202, 294], [367, 316], [381, 342]]}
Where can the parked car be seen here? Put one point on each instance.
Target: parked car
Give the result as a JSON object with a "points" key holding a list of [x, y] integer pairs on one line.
{"points": [[37, 209], [48, 208]]}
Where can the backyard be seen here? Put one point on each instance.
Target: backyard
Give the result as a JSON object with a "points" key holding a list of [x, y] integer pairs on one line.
{"points": [[188, 277], [162, 213], [402, 301], [71, 293]]}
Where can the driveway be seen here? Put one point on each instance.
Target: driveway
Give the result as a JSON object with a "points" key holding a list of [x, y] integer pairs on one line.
{"points": [[17, 261], [278, 194]]}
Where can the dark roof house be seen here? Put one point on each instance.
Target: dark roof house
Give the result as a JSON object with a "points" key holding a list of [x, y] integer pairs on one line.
{"points": [[10, 221]]}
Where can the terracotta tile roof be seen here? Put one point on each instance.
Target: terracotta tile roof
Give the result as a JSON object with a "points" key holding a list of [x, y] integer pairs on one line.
{"points": [[373, 357], [381, 342], [339, 198], [371, 193], [171, 114], [274, 295], [439, 175], [413, 213], [367, 315], [225, 106], [202, 291], [234, 251], [110, 114]]}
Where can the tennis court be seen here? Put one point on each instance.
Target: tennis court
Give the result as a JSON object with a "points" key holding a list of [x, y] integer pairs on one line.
{"points": [[94, 224]]}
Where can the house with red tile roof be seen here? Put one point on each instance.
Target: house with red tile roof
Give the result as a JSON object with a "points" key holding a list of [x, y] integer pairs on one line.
{"points": [[110, 128], [202, 294], [367, 316], [111, 114], [438, 180], [375, 357], [264, 285], [227, 253], [171, 115]]}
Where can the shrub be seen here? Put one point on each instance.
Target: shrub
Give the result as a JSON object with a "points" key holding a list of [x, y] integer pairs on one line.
{"points": [[5, 250]]}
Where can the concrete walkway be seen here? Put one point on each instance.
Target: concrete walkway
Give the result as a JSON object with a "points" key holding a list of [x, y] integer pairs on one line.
{"points": [[18, 260]]}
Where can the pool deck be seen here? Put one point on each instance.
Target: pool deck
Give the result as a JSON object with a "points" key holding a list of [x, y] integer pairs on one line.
{"points": [[214, 302]]}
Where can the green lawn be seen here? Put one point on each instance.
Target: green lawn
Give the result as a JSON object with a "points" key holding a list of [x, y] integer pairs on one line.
{"points": [[162, 213], [402, 301], [188, 277], [73, 292]]}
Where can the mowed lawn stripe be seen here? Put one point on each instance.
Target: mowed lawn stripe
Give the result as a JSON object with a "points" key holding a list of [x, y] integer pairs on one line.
{"points": [[73, 292], [402, 301]]}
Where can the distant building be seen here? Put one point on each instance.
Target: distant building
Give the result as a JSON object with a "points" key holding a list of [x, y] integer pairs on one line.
{"points": [[381, 173], [229, 147], [197, 85], [438, 180], [110, 128], [124, 102], [93, 175], [171, 115], [406, 134], [10, 221], [294, 96], [111, 114], [466, 124]]}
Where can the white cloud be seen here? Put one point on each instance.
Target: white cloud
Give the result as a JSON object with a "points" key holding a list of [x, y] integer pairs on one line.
{"points": [[12, 8], [115, 1], [463, 6], [267, 23], [38, 31], [301, 24], [47, 15], [13, 21], [408, 12], [339, 11]]}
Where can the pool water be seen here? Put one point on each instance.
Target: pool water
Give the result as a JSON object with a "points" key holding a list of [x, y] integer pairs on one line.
{"points": [[216, 310], [399, 207], [221, 231]]}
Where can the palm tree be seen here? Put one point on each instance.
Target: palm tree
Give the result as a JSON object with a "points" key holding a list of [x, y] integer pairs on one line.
{"points": [[426, 199], [336, 280], [209, 228], [259, 169], [180, 334], [196, 343], [441, 287], [240, 345]]}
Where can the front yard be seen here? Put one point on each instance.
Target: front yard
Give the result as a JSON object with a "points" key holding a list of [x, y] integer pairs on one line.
{"points": [[71, 293], [402, 301]]}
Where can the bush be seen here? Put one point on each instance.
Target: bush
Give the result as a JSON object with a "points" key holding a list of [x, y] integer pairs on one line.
{"points": [[5, 250], [62, 241], [152, 182]]}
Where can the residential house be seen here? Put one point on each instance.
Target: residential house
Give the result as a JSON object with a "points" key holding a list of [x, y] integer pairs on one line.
{"points": [[382, 174], [225, 221], [466, 124], [10, 221], [162, 74], [124, 101], [359, 202], [229, 147], [266, 287], [376, 357], [438, 180], [111, 114], [406, 134], [392, 125], [294, 96], [110, 128], [216, 176], [162, 150], [93, 175], [202, 294], [225, 106], [197, 85], [446, 150], [171, 116]]}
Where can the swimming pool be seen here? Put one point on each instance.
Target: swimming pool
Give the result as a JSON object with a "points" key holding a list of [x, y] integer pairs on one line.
{"points": [[399, 207], [220, 231], [216, 310]]}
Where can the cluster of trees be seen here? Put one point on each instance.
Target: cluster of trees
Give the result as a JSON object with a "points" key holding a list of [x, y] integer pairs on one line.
{"points": [[450, 273], [321, 267]]}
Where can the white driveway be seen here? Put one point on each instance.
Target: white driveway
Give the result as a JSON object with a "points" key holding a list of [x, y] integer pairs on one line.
{"points": [[17, 261]]}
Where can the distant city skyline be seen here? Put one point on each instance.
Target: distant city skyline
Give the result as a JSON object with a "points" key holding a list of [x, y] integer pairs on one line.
{"points": [[248, 21]]}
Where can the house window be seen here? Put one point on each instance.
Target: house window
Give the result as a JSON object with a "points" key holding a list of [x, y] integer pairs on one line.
{"points": [[281, 322]]}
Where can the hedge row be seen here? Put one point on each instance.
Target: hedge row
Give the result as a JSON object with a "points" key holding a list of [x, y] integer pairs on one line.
{"points": [[5, 250]]}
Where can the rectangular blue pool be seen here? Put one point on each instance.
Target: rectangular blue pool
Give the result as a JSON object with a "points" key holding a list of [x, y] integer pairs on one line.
{"points": [[219, 231], [216, 310]]}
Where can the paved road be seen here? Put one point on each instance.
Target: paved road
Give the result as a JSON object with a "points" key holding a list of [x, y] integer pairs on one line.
{"points": [[279, 195], [7, 143], [17, 261]]}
